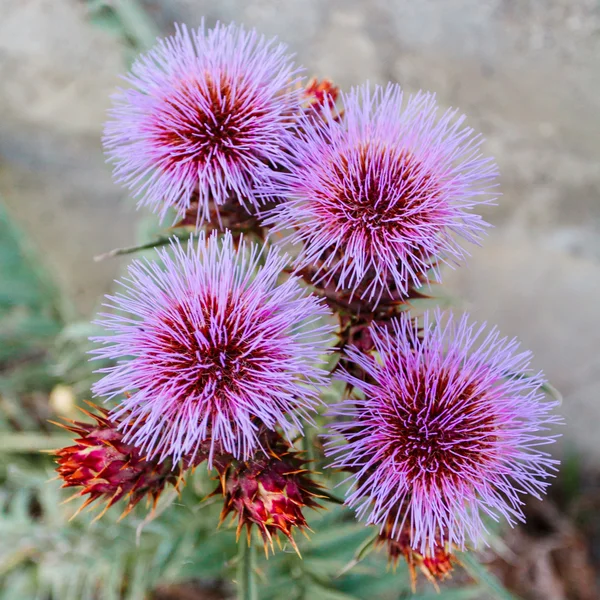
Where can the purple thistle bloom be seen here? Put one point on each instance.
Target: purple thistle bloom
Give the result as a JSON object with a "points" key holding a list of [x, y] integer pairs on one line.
{"points": [[206, 117], [208, 346], [443, 434], [377, 196]]}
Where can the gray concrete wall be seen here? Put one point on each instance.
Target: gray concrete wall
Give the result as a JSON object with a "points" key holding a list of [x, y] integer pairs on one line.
{"points": [[526, 72]]}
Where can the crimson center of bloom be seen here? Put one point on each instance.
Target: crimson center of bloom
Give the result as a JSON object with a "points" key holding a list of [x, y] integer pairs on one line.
{"points": [[377, 189], [443, 438], [207, 120], [209, 355]]}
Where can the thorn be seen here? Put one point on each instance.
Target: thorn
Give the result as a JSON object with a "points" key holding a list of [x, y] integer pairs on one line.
{"points": [[84, 505], [75, 495], [102, 513], [238, 530], [293, 543]]}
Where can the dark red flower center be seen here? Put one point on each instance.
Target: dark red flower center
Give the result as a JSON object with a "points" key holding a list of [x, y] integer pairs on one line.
{"points": [[377, 188], [438, 436], [215, 119], [211, 353]]}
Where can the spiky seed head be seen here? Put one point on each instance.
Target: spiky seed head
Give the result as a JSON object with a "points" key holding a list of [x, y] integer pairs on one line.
{"points": [[108, 469], [436, 563], [270, 490]]}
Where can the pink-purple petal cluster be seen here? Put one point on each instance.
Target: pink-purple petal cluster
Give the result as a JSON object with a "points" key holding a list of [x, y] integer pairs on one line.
{"points": [[380, 195], [208, 115], [208, 345], [446, 433]]}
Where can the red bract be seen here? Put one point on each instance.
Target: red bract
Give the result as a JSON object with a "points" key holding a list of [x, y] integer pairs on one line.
{"points": [[269, 491], [321, 93], [106, 468], [436, 563]]}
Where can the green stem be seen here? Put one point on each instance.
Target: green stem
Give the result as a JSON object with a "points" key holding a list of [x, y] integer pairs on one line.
{"points": [[246, 581], [156, 243]]}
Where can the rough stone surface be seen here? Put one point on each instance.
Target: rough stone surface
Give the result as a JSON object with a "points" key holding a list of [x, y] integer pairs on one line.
{"points": [[527, 74]]}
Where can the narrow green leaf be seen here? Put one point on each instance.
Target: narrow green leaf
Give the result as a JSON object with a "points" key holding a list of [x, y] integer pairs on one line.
{"points": [[473, 592], [136, 22], [156, 243], [361, 552], [319, 592], [491, 583]]}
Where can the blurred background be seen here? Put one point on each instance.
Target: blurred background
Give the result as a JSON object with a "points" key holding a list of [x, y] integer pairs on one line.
{"points": [[525, 72]]}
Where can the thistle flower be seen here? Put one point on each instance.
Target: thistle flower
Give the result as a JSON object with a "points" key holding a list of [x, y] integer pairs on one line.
{"points": [[449, 428], [378, 196], [209, 112], [270, 490], [107, 468], [211, 346]]}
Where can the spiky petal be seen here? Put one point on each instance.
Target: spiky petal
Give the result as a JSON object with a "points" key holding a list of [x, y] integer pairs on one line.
{"points": [[450, 425], [108, 469], [381, 194], [270, 491], [208, 344], [209, 112]]}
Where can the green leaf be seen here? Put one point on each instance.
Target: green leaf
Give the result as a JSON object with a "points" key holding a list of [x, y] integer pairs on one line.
{"points": [[474, 592], [361, 552], [480, 574], [315, 591]]}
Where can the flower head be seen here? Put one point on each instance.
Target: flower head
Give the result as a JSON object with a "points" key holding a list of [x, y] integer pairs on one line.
{"points": [[105, 467], [209, 347], [208, 112], [378, 195], [448, 430], [270, 491]]}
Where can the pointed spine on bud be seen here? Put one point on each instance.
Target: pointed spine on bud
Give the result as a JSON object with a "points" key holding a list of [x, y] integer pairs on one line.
{"points": [[435, 563], [270, 490], [107, 469]]}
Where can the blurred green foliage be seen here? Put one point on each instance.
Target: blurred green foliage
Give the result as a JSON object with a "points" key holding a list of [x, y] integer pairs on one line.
{"points": [[32, 314]]}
